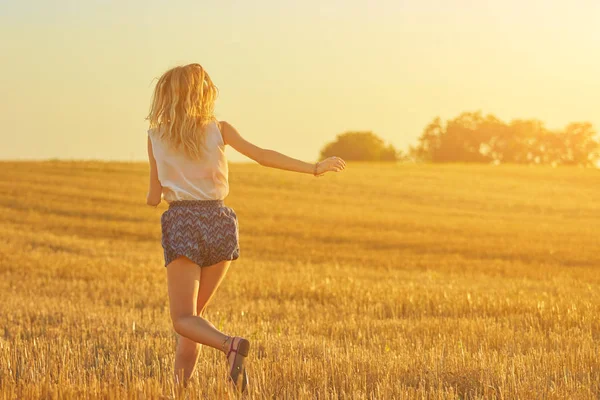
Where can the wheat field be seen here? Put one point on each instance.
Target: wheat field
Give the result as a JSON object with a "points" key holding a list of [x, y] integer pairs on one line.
{"points": [[380, 282]]}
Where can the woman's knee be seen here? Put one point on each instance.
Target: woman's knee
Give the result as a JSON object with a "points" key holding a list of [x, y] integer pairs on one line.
{"points": [[180, 322]]}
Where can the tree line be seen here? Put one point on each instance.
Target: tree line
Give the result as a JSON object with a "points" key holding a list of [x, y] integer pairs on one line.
{"points": [[474, 138]]}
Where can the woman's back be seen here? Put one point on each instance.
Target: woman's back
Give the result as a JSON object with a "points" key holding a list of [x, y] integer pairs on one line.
{"points": [[183, 178]]}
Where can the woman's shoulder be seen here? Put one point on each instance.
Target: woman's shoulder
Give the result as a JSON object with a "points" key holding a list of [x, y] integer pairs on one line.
{"points": [[220, 125], [152, 130]]}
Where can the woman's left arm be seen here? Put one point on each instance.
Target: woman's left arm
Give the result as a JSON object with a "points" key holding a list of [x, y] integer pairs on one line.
{"points": [[155, 190]]}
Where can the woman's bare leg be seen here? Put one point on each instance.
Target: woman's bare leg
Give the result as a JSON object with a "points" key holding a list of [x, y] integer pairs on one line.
{"points": [[190, 290], [186, 355]]}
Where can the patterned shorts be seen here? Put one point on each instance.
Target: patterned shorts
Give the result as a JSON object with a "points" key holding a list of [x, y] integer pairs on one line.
{"points": [[205, 231]]}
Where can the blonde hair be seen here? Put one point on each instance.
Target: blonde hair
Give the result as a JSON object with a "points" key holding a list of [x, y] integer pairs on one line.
{"points": [[183, 104]]}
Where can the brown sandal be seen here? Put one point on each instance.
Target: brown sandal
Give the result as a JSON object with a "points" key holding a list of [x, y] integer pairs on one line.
{"points": [[238, 368]]}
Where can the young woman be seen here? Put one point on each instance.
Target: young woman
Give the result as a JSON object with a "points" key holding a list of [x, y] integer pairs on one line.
{"points": [[188, 168]]}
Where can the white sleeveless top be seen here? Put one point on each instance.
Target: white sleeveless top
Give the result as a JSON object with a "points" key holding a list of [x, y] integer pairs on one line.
{"points": [[183, 178]]}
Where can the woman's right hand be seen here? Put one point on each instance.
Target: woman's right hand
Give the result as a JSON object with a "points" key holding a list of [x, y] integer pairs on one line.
{"points": [[330, 164]]}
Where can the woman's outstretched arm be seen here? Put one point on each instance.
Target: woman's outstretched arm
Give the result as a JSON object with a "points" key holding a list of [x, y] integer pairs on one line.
{"points": [[274, 159], [155, 188]]}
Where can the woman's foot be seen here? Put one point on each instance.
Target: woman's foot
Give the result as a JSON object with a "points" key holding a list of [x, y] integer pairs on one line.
{"points": [[236, 350]]}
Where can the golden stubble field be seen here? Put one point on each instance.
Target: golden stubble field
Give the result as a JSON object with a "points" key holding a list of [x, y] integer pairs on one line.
{"points": [[380, 282]]}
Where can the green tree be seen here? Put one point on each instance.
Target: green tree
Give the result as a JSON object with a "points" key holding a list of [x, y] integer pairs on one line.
{"points": [[360, 146], [471, 137], [579, 145], [429, 142]]}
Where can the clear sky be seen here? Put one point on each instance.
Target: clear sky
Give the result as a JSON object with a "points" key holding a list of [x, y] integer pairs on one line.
{"points": [[76, 76]]}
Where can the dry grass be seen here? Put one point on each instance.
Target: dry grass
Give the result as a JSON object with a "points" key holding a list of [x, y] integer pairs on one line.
{"points": [[381, 282]]}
